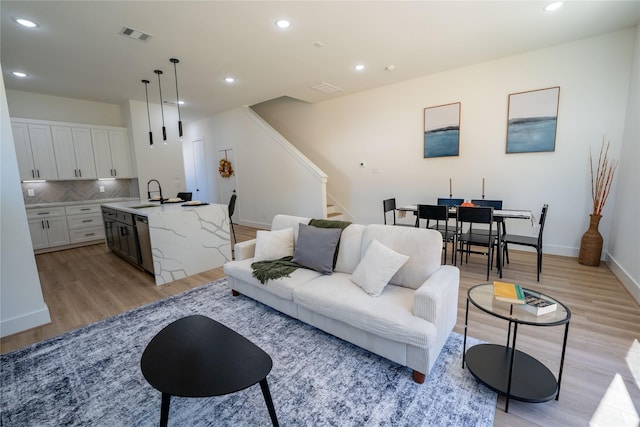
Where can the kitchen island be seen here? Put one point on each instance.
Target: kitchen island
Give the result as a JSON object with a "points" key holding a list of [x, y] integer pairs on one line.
{"points": [[184, 240]]}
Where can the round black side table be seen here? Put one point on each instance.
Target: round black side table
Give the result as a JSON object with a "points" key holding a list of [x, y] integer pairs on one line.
{"points": [[503, 368]]}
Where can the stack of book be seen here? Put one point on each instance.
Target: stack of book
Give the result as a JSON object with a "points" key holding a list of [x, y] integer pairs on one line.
{"points": [[529, 301], [508, 292], [538, 305]]}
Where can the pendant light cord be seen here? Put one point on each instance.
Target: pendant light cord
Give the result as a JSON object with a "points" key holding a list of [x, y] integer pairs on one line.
{"points": [[175, 72]]}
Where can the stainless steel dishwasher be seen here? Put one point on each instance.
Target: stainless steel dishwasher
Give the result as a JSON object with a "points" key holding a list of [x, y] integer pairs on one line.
{"points": [[144, 240]]}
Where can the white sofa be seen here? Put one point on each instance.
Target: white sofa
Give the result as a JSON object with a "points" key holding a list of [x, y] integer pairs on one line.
{"points": [[408, 323]]}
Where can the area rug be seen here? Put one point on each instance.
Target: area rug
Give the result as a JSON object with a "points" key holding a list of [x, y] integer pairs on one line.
{"points": [[91, 376]]}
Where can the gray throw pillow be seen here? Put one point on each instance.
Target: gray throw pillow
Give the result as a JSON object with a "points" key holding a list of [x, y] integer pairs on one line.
{"points": [[316, 247]]}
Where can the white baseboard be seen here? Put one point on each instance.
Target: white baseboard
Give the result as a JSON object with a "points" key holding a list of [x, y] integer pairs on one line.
{"points": [[25, 321], [625, 278]]}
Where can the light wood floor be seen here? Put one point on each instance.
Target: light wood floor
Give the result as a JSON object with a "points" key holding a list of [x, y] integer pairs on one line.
{"points": [[601, 379]]}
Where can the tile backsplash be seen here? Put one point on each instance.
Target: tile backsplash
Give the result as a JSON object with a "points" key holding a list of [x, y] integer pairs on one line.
{"points": [[77, 191]]}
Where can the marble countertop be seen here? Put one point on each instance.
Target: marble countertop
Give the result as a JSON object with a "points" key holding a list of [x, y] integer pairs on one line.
{"points": [[147, 208]]}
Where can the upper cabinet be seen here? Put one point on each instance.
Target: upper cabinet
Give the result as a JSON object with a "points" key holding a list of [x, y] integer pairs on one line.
{"points": [[111, 150], [34, 150], [74, 152], [68, 151]]}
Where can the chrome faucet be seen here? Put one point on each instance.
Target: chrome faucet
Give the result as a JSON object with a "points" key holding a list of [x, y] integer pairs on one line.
{"points": [[159, 189]]}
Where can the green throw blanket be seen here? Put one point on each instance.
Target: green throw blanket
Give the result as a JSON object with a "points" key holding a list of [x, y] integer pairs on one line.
{"points": [[283, 267]]}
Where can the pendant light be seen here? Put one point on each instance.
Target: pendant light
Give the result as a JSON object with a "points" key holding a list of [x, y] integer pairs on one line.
{"points": [[175, 72], [146, 92], [164, 129]]}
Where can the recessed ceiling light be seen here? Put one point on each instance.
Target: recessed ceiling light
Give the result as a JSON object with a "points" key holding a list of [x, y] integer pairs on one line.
{"points": [[25, 22], [19, 74], [283, 24], [229, 79], [553, 6], [359, 67]]}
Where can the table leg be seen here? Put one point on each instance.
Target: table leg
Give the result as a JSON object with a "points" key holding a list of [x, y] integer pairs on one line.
{"points": [[267, 398], [164, 410], [464, 343]]}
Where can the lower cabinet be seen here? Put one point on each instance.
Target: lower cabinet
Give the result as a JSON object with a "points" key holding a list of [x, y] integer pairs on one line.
{"points": [[48, 228], [62, 227], [85, 223]]}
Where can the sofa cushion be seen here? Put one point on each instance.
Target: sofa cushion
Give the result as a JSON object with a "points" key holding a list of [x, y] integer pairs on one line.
{"points": [[423, 246], [282, 287], [349, 248], [390, 315], [272, 245], [377, 267], [280, 222], [316, 247]]}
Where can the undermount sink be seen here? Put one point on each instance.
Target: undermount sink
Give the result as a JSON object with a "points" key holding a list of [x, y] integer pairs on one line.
{"points": [[144, 206]]}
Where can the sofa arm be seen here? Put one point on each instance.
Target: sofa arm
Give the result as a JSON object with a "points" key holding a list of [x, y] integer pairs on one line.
{"points": [[437, 299], [245, 250]]}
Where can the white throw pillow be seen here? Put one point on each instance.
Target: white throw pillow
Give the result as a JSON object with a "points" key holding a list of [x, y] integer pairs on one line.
{"points": [[272, 245], [377, 267]]}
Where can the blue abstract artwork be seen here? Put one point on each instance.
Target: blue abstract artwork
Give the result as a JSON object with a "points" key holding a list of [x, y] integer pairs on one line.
{"points": [[442, 131], [533, 119]]}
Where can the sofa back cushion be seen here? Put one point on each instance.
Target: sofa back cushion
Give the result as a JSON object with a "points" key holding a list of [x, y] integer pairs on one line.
{"points": [[423, 246], [350, 248], [281, 222]]}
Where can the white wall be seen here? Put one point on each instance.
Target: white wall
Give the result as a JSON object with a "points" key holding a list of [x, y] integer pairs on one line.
{"points": [[272, 176], [625, 230], [22, 305], [384, 128], [162, 162], [46, 107]]}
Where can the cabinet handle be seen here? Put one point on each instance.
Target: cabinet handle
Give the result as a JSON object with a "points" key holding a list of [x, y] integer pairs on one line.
{"points": [[75, 173], [85, 209], [33, 173], [115, 172], [48, 224], [87, 220], [111, 172], [38, 172], [42, 222], [80, 172], [90, 234], [43, 213]]}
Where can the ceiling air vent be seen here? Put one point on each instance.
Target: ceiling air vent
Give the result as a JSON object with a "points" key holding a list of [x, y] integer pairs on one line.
{"points": [[132, 33], [325, 87]]}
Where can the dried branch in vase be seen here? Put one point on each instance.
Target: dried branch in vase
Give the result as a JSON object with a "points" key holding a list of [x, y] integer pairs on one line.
{"points": [[601, 178]]}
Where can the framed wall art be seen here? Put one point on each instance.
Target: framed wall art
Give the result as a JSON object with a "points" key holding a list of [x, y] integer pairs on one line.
{"points": [[532, 121], [442, 130]]}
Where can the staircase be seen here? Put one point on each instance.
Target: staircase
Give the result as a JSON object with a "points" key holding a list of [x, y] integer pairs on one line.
{"points": [[333, 215]]}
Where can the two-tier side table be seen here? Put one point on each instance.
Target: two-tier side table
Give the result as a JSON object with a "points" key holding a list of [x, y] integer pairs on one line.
{"points": [[503, 368]]}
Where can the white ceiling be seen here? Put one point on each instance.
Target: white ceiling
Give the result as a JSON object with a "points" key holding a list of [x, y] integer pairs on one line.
{"points": [[77, 52]]}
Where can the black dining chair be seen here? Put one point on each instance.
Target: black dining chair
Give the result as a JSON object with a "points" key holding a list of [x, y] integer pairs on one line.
{"points": [[186, 196], [501, 227], [531, 241], [232, 209], [450, 202], [468, 217], [389, 205], [440, 215]]}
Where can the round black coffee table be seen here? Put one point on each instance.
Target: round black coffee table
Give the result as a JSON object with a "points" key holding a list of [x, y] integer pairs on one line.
{"points": [[198, 357], [503, 368]]}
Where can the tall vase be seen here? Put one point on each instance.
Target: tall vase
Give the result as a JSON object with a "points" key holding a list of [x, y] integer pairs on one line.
{"points": [[591, 243]]}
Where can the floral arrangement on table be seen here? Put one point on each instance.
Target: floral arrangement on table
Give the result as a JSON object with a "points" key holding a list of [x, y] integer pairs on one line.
{"points": [[224, 168], [601, 178]]}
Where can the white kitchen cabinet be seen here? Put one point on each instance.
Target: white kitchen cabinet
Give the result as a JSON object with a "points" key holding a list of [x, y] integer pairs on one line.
{"points": [[48, 227], [111, 151], [34, 151], [74, 152], [85, 223]]}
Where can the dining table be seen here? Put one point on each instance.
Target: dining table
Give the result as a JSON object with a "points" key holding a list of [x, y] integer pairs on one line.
{"points": [[498, 215]]}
